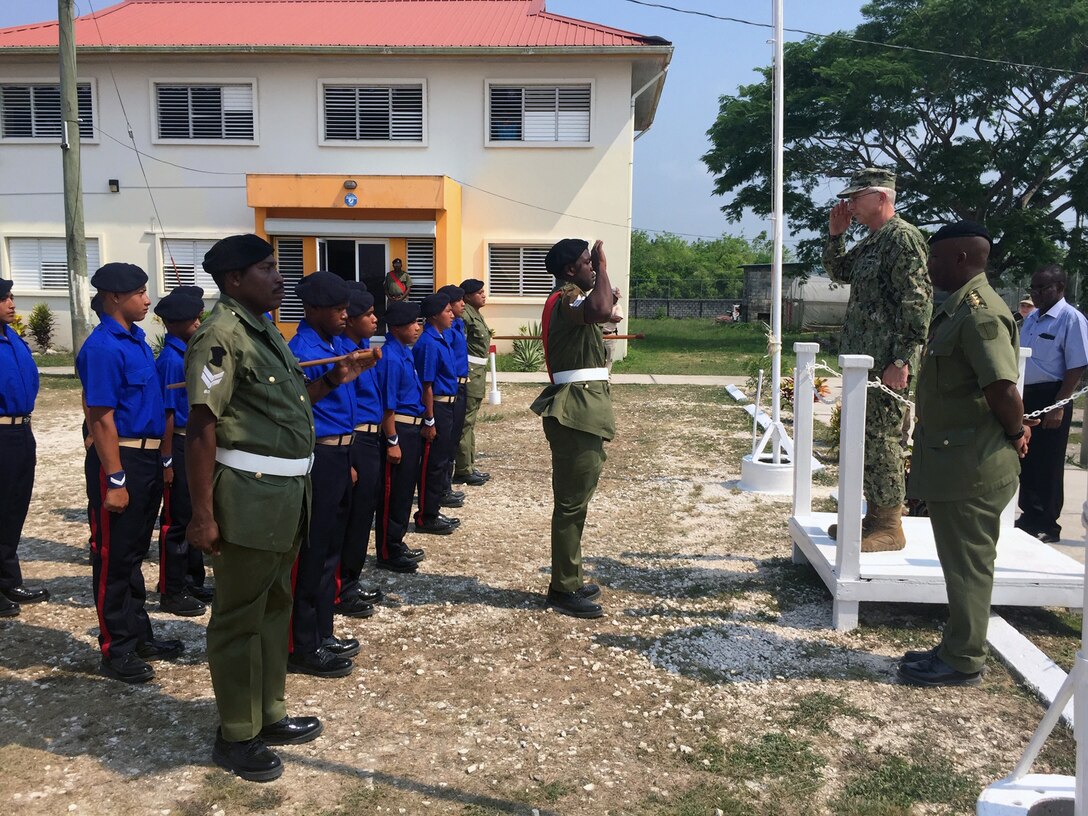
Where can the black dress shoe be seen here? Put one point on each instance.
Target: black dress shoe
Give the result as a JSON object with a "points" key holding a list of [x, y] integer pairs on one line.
{"points": [[456, 522], [23, 595], [433, 526], [182, 604], [571, 603], [291, 731], [932, 671], [320, 663], [451, 501], [399, 563], [160, 649], [481, 474], [341, 647], [252, 760], [373, 596], [415, 554], [588, 591], [8, 609], [202, 593], [355, 607], [473, 479], [914, 656], [454, 494], [128, 668]]}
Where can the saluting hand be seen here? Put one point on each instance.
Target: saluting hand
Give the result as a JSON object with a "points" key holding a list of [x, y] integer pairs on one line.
{"points": [[116, 500], [840, 219]]}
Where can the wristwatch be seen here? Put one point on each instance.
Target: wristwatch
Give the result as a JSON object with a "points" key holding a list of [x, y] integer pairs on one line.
{"points": [[899, 363]]}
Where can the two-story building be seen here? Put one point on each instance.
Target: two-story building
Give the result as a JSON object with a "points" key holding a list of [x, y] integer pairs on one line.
{"points": [[462, 136]]}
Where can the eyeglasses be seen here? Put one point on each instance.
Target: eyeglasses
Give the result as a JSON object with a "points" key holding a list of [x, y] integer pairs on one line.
{"points": [[856, 196]]}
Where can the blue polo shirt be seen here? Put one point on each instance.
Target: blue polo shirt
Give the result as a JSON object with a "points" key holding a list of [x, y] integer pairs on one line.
{"points": [[1058, 341], [368, 397], [18, 375], [455, 336], [397, 379], [170, 366], [434, 362], [117, 370], [335, 414]]}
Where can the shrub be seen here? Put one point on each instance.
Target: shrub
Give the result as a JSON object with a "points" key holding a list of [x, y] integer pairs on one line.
{"points": [[18, 326], [40, 325], [528, 354]]}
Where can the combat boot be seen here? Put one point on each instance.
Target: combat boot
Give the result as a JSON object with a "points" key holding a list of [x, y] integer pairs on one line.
{"points": [[886, 530], [866, 523]]}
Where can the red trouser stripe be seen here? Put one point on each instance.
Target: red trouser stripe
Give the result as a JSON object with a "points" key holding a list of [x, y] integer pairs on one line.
{"points": [[291, 623], [339, 583], [545, 327], [164, 528], [423, 482], [387, 488], [102, 541]]}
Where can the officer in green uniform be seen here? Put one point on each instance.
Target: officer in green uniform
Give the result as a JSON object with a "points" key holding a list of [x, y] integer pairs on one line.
{"points": [[398, 283], [576, 409], [968, 443], [249, 445], [478, 337], [890, 304]]}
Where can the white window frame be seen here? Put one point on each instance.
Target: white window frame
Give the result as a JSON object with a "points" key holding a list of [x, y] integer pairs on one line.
{"points": [[494, 297], [358, 82], [51, 140], [165, 285], [20, 292], [155, 82], [546, 83]]}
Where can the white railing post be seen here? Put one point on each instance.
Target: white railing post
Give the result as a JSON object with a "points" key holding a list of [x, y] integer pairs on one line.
{"points": [[804, 377], [1008, 515], [855, 372]]}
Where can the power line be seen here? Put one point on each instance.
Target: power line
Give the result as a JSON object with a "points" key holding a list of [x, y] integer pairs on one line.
{"points": [[847, 38], [139, 152]]}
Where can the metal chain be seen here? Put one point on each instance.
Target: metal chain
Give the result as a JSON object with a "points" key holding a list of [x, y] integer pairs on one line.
{"points": [[1056, 405]]}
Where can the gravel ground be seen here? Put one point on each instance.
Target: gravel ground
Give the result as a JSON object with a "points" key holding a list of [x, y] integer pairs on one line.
{"points": [[470, 697]]}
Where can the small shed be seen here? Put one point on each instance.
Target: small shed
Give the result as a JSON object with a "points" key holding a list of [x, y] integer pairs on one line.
{"points": [[815, 301]]}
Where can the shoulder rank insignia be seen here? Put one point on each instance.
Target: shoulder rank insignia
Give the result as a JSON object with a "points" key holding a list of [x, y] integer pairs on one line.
{"points": [[974, 300]]}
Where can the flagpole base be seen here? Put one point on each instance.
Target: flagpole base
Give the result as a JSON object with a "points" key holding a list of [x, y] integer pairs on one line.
{"points": [[762, 475]]}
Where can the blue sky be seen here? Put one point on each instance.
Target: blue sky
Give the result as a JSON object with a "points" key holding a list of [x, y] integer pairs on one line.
{"points": [[673, 191]]}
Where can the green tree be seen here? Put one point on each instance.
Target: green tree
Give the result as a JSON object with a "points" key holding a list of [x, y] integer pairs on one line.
{"points": [[1000, 144], [667, 265]]}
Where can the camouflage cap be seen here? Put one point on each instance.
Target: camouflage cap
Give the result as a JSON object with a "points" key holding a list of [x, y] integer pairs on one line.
{"points": [[869, 177]]}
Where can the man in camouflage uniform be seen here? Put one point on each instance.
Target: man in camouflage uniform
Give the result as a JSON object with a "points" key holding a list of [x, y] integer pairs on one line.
{"points": [[891, 300]]}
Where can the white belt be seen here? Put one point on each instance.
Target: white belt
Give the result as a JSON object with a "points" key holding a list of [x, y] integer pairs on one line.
{"points": [[255, 463], [477, 360], [579, 375]]}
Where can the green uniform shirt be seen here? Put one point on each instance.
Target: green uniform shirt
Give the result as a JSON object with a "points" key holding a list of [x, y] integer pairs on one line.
{"points": [[960, 449], [573, 343], [478, 337], [239, 366], [891, 298], [394, 291]]}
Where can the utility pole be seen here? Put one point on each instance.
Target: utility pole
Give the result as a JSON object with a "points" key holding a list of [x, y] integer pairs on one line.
{"points": [[75, 240]]}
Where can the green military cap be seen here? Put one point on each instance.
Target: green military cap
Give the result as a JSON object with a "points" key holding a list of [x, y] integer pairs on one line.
{"points": [[869, 177]]}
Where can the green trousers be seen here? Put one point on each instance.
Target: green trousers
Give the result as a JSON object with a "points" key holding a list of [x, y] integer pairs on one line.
{"points": [[883, 483], [577, 459], [247, 637], [966, 533], [465, 462]]}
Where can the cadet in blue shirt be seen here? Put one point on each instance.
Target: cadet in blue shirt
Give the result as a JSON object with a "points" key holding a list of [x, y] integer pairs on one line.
{"points": [[127, 420], [438, 376], [314, 648], [402, 417], [178, 562], [366, 460], [18, 391], [458, 341]]}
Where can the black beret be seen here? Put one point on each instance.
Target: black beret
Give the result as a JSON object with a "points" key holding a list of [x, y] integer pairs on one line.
{"points": [[961, 229], [360, 301], [565, 252], [96, 303], [323, 289], [401, 313], [236, 253], [5, 288], [472, 285], [118, 277], [434, 304], [179, 306], [192, 291], [454, 293]]}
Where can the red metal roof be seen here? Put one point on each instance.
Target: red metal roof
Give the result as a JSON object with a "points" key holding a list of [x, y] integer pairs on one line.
{"points": [[328, 23]]}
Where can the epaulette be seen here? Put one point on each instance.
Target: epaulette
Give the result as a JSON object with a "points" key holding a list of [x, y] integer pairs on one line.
{"points": [[975, 301]]}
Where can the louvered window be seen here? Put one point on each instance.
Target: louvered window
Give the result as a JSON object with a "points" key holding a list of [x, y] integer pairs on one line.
{"points": [[420, 267], [183, 265], [289, 258], [539, 113], [42, 263], [216, 112], [33, 111], [518, 270], [372, 113]]}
